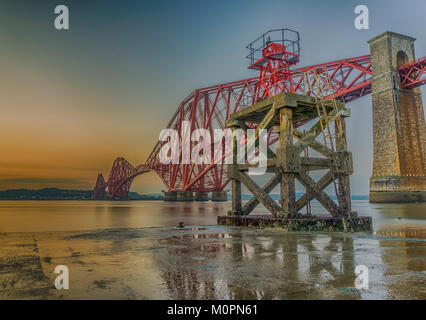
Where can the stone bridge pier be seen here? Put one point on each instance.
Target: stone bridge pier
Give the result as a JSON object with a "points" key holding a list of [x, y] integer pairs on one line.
{"points": [[399, 167]]}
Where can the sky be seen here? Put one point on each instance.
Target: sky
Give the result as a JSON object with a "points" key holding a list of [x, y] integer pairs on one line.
{"points": [[73, 100]]}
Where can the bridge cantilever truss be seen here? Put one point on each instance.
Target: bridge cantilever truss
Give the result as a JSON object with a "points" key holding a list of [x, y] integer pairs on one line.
{"points": [[210, 107], [413, 74], [120, 178]]}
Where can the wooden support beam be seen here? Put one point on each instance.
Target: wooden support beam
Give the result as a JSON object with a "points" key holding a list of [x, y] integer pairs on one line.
{"points": [[315, 163], [319, 147], [345, 168], [242, 124], [344, 192], [308, 137], [261, 195], [266, 123], [288, 193], [267, 188], [308, 196], [235, 184], [288, 188], [236, 197], [246, 166], [259, 108], [319, 193]]}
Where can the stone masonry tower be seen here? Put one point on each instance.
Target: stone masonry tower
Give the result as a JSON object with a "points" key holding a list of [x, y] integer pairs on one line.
{"points": [[399, 166]]}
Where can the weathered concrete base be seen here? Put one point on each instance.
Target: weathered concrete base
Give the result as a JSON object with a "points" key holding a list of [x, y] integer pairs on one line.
{"points": [[397, 197], [395, 189], [201, 196], [170, 196], [219, 196], [312, 223], [185, 196]]}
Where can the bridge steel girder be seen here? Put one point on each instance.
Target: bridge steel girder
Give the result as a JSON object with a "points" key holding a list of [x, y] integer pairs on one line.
{"points": [[413, 74], [210, 107]]}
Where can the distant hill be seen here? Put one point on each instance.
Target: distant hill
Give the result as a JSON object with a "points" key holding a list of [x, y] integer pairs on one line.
{"points": [[62, 194]]}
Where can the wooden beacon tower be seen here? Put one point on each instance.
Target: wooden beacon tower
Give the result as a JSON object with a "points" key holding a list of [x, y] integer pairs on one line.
{"points": [[282, 114]]}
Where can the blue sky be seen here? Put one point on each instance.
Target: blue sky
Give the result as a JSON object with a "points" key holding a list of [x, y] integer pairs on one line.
{"points": [[111, 83]]}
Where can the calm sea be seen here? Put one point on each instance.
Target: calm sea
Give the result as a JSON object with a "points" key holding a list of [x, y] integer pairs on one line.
{"points": [[36, 216]]}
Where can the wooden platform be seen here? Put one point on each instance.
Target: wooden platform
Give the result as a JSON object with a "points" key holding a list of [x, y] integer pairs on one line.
{"points": [[311, 223], [303, 109]]}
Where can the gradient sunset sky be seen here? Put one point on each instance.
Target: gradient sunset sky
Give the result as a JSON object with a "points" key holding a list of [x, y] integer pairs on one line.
{"points": [[73, 100]]}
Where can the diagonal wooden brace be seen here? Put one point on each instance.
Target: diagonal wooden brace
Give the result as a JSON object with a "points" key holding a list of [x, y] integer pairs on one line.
{"points": [[261, 195], [266, 123], [267, 188], [308, 137], [318, 192], [306, 140], [308, 196]]}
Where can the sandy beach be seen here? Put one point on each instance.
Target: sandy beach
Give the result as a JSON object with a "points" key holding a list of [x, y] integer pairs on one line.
{"points": [[209, 262]]}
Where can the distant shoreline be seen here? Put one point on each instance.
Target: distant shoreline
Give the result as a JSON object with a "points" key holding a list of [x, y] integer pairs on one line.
{"points": [[106, 199], [56, 194]]}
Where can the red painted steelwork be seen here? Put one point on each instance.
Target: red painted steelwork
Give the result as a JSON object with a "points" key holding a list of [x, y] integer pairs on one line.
{"points": [[210, 107], [274, 67], [120, 178], [413, 74]]}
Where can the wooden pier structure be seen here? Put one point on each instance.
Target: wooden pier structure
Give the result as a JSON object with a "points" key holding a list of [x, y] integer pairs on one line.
{"points": [[283, 113]]}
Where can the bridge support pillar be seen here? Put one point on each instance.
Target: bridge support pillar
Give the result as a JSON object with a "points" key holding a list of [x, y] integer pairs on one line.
{"points": [[170, 196], [99, 190], [399, 138], [201, 196], [185, 196], [219, 196]]}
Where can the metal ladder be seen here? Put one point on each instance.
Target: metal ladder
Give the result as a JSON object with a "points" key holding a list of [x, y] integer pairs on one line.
{"points": [[322, 90]]}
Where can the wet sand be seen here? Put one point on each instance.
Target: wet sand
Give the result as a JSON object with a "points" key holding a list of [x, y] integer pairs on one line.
{"points": [[209, 262]]}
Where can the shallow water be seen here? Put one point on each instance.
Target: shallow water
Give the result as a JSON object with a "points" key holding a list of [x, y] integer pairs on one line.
{"points": [[132, 250], [35, 216]]}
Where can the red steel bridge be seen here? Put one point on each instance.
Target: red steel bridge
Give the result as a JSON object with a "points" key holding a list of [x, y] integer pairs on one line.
{"points": [[209, 108]]}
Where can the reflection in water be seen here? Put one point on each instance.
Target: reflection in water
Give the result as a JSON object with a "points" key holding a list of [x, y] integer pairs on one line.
{"points": [[401, 220], [414, 211], [214, 262], [243, 265], [404, 232], [410, 279]]}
